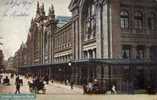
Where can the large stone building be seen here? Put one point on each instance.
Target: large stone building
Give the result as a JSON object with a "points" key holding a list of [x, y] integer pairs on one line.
{"points": [[118, 29], [105, 40]]}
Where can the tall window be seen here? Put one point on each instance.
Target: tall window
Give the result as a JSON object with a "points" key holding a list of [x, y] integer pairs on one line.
{"points": [[126, 51], [151, 21], [89, 21], [138, 20], [124, 19]]}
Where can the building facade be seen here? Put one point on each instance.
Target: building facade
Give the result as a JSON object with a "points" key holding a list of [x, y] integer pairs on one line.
{"points": [[114, 28], [103, 40]]}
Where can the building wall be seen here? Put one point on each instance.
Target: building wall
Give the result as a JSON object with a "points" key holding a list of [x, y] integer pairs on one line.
{"points": [[144, 38], [63, 44], [110, 37]]}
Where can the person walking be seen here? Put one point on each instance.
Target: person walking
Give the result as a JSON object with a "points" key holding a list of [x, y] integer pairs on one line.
{"points": [[17, 83], [46, 78], [72, 84], [113, 90]]}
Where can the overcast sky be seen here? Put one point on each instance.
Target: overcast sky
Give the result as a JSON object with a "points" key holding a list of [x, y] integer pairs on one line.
{"points": [[15, 17]]}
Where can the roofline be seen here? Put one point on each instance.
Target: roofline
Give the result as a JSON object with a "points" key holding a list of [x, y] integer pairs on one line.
{"points": [[99, 61]]}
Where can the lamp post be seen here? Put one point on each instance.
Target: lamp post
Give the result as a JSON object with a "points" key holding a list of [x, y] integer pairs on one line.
{"points": [[60, 74], [69, 64], [69, 70]]}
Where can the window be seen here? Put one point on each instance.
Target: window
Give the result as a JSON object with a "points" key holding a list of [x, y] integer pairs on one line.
{"points": [[153, 53], [140, 52], [90, 53], [89, 22], [138, 20], [85, 54], [124, 19], [126, 51], [151, 21]]}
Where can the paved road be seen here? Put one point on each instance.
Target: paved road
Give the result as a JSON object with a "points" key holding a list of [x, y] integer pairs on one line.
{"points": [[51, 89]]}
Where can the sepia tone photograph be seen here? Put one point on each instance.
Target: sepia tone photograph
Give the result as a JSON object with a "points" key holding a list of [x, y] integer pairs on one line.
{"points": [[78, 49]]}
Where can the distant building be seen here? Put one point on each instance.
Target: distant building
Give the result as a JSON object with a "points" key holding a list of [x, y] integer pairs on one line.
{"points": [[10, 66]]}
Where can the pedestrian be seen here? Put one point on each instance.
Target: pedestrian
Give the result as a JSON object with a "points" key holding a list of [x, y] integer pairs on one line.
{"points": [[1, 78], [113, 90], [72, 84], [90, 86], [6, 81], [17, 83], [46, 78], [84, 89]]}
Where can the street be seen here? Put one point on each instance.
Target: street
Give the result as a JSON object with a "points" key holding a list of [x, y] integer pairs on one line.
{"points": [[59, 91], [52, 88]]}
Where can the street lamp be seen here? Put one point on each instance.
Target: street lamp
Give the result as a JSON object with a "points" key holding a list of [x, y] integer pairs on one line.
{"points": [[69, 64]]}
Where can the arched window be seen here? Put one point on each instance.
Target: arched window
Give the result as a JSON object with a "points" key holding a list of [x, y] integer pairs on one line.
{"points": [[124, 19], [138, 20], [151, 21]]}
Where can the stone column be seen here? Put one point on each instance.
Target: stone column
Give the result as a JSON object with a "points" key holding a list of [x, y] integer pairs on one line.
{"points": [[88, 56], [147, 53], [94, 55], [134, 52], [99, 35]]}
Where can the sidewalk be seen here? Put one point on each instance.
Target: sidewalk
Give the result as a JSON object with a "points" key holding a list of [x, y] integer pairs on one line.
{"points": [[58, 88]]}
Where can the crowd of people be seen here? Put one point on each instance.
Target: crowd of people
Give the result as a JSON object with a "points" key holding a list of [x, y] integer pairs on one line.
{"points": [[37, 83], [5, 79]]}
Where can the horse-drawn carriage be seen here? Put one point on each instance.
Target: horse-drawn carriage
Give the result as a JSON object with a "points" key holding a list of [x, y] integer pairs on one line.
{"points": [[6, 81], [94, 88], [37, 87]]}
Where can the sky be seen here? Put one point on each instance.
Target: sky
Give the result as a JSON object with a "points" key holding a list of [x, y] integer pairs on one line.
{"points": [[15, 17]]}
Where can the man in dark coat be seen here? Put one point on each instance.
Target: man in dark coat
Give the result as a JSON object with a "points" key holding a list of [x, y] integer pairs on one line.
{"points": [[17, 83]]}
